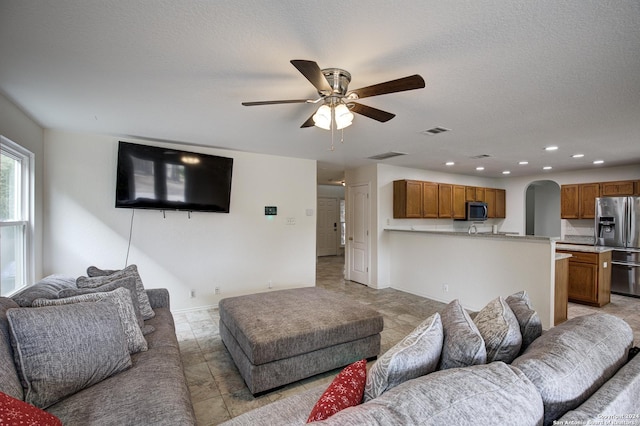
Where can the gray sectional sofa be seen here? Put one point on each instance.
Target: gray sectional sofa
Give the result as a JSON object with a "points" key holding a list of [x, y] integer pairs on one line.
{"points": [[144, 388], [575, 373]]}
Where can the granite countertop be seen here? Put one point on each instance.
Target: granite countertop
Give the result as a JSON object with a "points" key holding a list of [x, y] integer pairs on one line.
{"points": [[583, 248], [500, 235], [560, 256]]}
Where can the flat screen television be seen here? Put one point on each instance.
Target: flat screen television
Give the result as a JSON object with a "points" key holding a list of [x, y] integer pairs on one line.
{"points": [[150, 177]]}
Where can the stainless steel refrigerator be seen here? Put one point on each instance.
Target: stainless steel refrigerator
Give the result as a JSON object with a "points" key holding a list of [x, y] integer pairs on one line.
{"points": [[617, 225]]}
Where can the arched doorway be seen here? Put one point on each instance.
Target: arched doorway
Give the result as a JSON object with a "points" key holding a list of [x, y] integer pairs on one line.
{"points": [[542, 209]]}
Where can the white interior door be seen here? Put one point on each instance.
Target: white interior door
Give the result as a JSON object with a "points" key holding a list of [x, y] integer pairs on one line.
{"points": [[358, 229], [327, 228]]}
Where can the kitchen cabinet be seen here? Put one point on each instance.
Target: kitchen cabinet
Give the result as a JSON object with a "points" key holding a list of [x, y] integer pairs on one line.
{"points": [[636, 186], [589, 277], [413, 199], [578, 201], [470, 193], [616, 189], [490, 199], [459, 202], [501, 203], [445, 200], [480, 194], [561, 292]]}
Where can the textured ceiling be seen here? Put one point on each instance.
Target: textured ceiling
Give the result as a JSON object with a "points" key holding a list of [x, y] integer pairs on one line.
{"points": [[507, 77]]}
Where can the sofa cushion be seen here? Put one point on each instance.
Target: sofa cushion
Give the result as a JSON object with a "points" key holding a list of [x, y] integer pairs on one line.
{"points": [[415, 355], [569, 362], [61, 349], [9, 380], [46, 288], [129, 271], [500, 331], [127, 282], [489, 394], [346, 390], [463, 345], [16, 412], [121, 298], [528, 319]]}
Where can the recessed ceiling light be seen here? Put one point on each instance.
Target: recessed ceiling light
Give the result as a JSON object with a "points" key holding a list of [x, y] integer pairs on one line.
{"points": [[577, 156], [449, 163], [506, 172], [523, 163], [480, 168], [551, 148], [598, 162], [547, 168]]}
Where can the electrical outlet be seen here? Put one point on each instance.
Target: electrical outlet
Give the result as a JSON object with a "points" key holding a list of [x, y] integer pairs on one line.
{"points": [[217, 290], [269, 284], [445, 288], [192, 294]]}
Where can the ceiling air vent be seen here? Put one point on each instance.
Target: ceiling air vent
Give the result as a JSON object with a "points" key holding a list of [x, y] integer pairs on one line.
{"points": [[435, 131], [386, 155]]}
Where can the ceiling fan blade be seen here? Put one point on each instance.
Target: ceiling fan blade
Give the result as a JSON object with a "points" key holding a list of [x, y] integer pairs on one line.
{"points": [[400, 85], [309, 122], [290, 101], [313, 73], [367, 111]]}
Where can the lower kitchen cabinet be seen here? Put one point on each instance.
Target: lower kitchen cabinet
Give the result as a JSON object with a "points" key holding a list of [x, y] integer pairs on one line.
{"points": [[589, 277], [561, 296]]}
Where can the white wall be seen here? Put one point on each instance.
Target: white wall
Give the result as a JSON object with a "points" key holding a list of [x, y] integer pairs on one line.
{"points": [[238, 252], [21, 129], [475, 270]]}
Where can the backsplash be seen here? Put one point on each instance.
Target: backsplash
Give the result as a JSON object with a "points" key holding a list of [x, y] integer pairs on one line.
{"points": [[579, 231]]}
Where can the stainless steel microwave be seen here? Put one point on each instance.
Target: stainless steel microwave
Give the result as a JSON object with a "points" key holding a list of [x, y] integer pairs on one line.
{"points": [[476, 211]]}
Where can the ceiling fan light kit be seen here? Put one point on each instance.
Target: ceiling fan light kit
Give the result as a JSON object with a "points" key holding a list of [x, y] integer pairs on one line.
{"points": [[338, 103]]}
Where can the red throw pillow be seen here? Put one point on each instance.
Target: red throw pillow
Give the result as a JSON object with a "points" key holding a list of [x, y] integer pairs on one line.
{"points": [[14, 412], [346, 390]]}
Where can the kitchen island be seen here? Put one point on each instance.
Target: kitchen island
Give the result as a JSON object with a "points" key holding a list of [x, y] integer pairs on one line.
{"points": [[474, 268]]}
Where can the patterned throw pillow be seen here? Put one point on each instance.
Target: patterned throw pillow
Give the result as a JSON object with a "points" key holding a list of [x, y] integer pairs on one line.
{"points": [[14, 412], [129, 271], [127, 282], [414, 356], [121, 298], [60, 350], [345, 391], [528, 319], [463, 345], [500, 331]]}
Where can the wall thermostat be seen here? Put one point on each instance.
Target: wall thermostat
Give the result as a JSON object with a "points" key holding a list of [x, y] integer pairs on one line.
{"points": [[270, 210]]}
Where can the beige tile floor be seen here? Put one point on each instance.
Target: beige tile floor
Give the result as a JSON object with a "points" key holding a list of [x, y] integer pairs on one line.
{"points": [[218, 392]]}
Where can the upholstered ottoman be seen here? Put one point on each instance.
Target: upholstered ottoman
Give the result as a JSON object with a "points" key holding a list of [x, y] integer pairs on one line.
{"points": [[283, 336]]}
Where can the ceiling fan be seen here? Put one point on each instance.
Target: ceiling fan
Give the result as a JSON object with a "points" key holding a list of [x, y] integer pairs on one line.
{"points": [[337, 102]]}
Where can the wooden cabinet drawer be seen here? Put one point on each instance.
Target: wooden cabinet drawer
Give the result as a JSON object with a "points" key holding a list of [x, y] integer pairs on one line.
{"points": [[580, 256]]}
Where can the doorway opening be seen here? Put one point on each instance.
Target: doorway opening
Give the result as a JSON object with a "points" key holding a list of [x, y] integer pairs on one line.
{"points": [[542, 209]]}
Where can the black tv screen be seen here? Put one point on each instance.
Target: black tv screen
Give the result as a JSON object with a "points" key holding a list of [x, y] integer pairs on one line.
{"points": [[150, 177]]}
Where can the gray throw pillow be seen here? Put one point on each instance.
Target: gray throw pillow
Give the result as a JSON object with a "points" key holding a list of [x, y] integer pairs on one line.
{"points": [[500, 331], [528, 319], [127, 282], [129, 271], [46, 288], [60, 350], [463, 345], [414, 356], [121, 298], [569, 362]]}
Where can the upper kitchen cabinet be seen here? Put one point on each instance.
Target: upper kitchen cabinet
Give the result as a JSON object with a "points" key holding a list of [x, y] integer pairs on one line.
{"points": [[578, 201], [414, 199], [459, 202], [490, 199], [501, 203], [616, 189], [445, 200]]}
